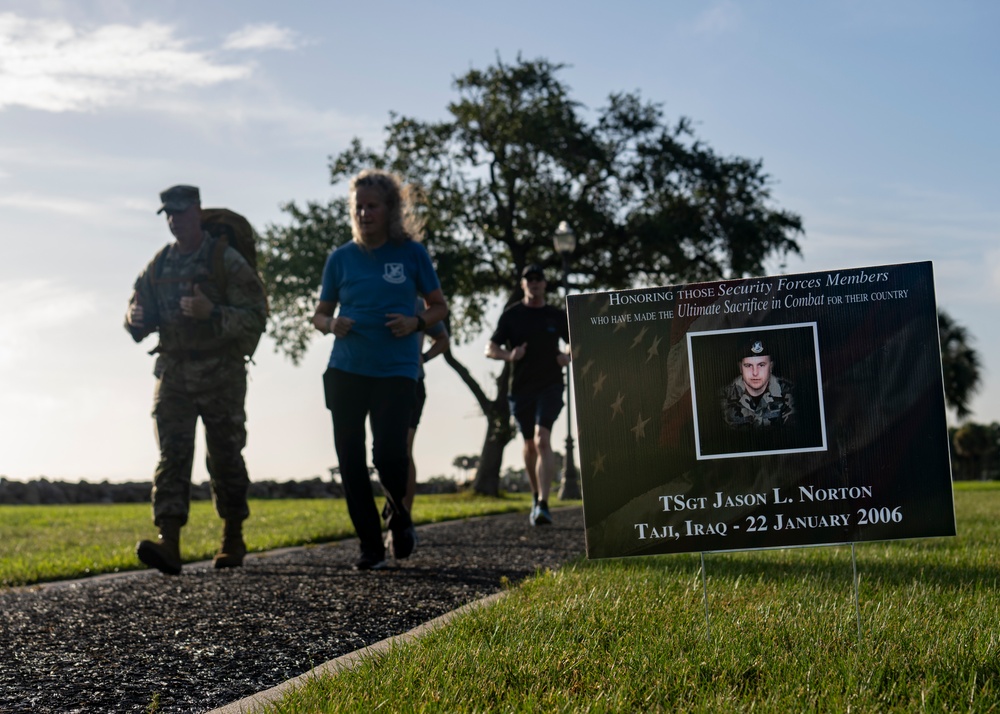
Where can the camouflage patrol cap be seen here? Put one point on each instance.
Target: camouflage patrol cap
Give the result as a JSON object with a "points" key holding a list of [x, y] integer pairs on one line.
{"points": [[756, 346], [179, 198]]}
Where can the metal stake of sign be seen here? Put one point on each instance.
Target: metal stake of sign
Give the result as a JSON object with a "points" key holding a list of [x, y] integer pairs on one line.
{"points": [[857, 606], [704, 590]]}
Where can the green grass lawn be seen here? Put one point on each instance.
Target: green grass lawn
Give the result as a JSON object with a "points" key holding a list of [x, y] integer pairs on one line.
{"points": [[630, 635], [42, 543]]}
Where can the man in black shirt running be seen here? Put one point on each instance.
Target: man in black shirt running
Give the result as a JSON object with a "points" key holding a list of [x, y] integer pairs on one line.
{"points": [[527, 336]]}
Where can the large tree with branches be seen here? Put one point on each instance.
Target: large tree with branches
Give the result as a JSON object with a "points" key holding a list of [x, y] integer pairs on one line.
{"points": [[650, 203]]}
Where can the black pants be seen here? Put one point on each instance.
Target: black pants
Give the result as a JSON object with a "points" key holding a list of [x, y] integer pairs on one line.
{"points": [[387, 402]]}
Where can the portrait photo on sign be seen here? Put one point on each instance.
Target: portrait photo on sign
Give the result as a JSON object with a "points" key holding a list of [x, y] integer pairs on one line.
{"points": [[756, 391]]}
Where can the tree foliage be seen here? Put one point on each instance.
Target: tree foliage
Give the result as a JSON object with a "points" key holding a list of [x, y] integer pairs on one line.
{"points": [[649, 202], [291, 260], [960, 364], [975, 451]]}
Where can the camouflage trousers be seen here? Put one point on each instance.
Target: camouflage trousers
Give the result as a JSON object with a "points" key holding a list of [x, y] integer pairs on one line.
{"points": [[175, 414]]}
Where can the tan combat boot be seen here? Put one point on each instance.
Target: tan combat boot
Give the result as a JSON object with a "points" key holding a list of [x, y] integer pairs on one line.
{"points": [[164, 553], [233, 548]]}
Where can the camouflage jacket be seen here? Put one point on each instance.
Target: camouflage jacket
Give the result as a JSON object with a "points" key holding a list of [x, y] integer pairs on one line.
{"points": [[195, 349], [775, 407]]}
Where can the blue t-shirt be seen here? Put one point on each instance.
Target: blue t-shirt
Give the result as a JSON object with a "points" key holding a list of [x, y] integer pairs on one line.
{"points": [[367, 285]]}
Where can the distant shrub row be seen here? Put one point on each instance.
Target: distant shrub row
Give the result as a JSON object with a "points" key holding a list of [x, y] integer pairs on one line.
{"points": [[43, 491]]}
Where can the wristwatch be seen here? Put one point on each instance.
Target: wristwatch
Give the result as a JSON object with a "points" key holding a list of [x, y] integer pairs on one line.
{"points": [[421, 323]]}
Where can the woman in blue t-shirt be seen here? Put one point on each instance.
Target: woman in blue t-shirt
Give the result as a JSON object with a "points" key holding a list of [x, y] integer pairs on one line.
{"points": [[375, 280]]}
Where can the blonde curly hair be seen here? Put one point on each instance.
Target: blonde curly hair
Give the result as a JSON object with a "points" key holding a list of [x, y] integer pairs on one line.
{"points": [[403, 222]]}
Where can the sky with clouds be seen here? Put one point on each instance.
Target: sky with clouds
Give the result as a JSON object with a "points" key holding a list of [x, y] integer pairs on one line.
{"points": [[877, 122]]}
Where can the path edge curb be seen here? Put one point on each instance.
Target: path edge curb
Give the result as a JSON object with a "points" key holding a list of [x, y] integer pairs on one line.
{"points": [[352, 659]]}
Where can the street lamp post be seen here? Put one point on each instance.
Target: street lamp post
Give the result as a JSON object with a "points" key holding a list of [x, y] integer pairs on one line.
{"points": [[564, 242]]}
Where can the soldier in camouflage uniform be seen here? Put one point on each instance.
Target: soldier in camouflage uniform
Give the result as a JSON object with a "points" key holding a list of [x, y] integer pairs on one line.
{"points": [[200, 371], [757, 398]]}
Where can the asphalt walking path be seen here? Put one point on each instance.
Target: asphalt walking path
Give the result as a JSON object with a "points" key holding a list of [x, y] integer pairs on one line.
{"points": [[226, 639]]}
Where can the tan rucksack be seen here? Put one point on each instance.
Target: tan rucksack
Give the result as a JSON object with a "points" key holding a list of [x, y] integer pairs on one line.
{"points": [[234, 230]]}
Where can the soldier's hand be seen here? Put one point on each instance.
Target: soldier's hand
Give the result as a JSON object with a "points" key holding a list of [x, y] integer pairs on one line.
{"points": [[135, 315], [518, 352], [197, 306]]}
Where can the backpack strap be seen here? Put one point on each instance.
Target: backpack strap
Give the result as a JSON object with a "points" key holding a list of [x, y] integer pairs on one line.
{"points": [[219, 263], [219, 267], [155, 270]]}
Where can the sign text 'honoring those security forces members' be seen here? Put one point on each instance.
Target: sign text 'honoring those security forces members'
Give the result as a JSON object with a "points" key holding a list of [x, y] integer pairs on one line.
{"points": [[762, 412]]}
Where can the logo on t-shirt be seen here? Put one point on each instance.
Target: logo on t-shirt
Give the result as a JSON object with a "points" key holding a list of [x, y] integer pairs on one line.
{"points": [[394, 273]]}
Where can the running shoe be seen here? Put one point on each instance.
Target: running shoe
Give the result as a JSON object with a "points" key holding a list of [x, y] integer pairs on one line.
{"points": [[542, 515], [370, 562]]}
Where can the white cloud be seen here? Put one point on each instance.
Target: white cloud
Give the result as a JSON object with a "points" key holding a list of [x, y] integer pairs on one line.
{"points": [[992, 261], [261, 37], [32, 308], [285, 122], [720, 18], [53, 66], [109, 211], [51, 204]]}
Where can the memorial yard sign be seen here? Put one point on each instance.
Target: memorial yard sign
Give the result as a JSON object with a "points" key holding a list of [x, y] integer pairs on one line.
{"points": [[762, 412]]}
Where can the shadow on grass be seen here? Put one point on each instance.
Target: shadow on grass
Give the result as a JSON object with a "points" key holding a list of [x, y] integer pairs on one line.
{"points": [[780, 565]]}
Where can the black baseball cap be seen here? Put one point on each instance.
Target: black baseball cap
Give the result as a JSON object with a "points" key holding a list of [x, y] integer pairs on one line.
{"points": [[756, 346], [533, 269]]}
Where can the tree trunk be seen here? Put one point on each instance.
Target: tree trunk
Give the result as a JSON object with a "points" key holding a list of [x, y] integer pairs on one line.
{"points": [[498, 428], [498, 435]]}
